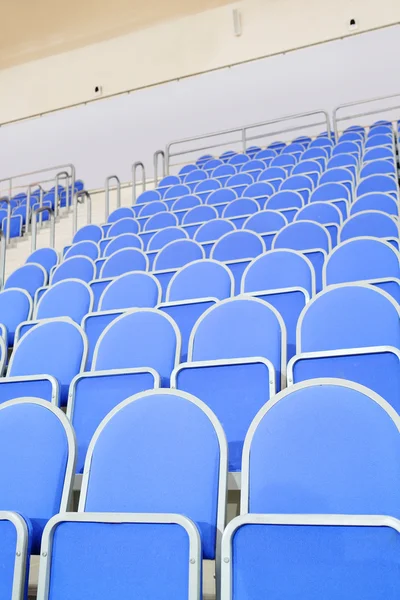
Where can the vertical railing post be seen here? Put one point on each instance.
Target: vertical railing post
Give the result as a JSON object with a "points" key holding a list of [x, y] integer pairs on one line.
{"points": [[3, 250], [155, 163], [135, 167], [61, 175], [107, 194], [244, 141], [8, 202], [35, 214], [84, 194]]}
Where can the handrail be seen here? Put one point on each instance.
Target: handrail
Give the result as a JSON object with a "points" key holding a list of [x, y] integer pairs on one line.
{"points": [[107, 194], [157, 154], [77, 195], [244, 132], [35, 213], [135, 167], [61, 175], [3, 249], [28, 204], [8, 202], [36, 172], [356, 115]]}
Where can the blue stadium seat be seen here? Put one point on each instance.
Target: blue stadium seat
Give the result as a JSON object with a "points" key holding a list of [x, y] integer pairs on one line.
{"points": [[47, 257], [276, 146], [239, 159], [165, 184], [15, 307], [178, 446], [351, 331], [44, 362], [308, 237], [286, 280], [205, 188], [347, 161], [293, 148], [125, 240], [303, 184], [378, 183], [29, 277], [379, 140], [88, 232], [259, 191], [324, 143], [192, 290], [209, 232], [174, 192], [193, 178], [375, 201], [312, 168], [37, 455], [125, 225], [162, 238], [77, 267], [237, 350], [16, 225], [239, 210], [285, 161], [339, 175], [252, 151], [174, 255], [337, 193], [163, 560], [124, 212], [131, 290], [85, 248], [237, 249], [325, 213], [267, 155], [286, 202], [333, 447], [196, 216], [379, 153], [364, 259], [379, 167], [187, 169], [153, 195], [182, 205], [220, 198], [371, 223], [147, 210], [300, 556], [320, 155], [123, 261], [266, 223], [253, 167], [223, 173], [239, 182], [274, 176], [157, 222], [347, 148], [211, 165]]}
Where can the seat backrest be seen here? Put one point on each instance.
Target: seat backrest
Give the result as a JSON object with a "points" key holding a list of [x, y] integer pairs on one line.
{"points": [[160, 221], [165, 236], [379, 153], [126, 225], [254, 167], [177, 191], [204, 188], [361, 259], [123, 261], [131, 290], [57, 347], [327, 192], [293, 148], [274, 174], [186, 202], [178, 253], [320, 212], [47, 257], [379, 140], [124, 212], [15, 307], [307, 166], [349, 315], [237, 245], [283, 200], [336, 175], [279, 269], [195, 176], [240, 328], [348, 147], [152, 208], [260, 191], [76, 267], [29, 277], [239, 159], [240, 207], [125, 240], [221, 196], [85, 248], [376, 167], [326, 446], [144, 337], [178, 444], [298, 182], [88, 232], [199, 214], [375, 201], [213, 230], [37, 459], [265, 221], [187, 169], [377, 183], [369, 223], [149, 196], [303, 235], [68, 298], [204, 278]]}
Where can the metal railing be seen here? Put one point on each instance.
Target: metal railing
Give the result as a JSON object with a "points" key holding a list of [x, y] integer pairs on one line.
{"points": [[243, 135], [68, 192], [354, 110], [8, 202], [135, 167], [82, 194], [157, 155], [12, 181], [3, 251], [107, 194], [35, 213]]}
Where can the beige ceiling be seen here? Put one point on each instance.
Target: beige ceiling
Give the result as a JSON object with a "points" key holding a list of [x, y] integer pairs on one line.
{"points": [[34, 29]]}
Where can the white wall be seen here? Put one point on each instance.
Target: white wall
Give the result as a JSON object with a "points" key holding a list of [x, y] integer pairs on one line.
{"points": [[106, 137]]}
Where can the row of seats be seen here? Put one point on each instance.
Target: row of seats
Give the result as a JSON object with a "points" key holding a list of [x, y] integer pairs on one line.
{"points": [[153, 500]]}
